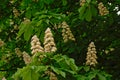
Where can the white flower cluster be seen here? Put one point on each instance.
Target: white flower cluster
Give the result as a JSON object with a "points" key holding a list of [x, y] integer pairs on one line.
{"points": [[49, 44], [102, 9], [52, 75], [26, 21], [66, 32], [15, 12], [91, 55], [35, 45], [3, 78], [26, 58], [18, 52]]}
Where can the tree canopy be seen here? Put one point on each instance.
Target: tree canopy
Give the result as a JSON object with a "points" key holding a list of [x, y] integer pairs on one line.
{"points": [[57, 39]]}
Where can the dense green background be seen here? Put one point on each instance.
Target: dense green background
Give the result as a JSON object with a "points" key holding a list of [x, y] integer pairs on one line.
{"points": [[104, 31]]}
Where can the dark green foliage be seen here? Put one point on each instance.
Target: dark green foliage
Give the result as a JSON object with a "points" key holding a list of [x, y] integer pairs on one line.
{"points": [[86, 25], [58, 64]]}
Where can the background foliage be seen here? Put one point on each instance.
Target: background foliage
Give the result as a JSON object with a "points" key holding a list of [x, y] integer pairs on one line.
{"points": [[21, 19]]}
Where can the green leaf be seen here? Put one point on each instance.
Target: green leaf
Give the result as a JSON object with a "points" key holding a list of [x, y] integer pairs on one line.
{"points": [[91, 75], [101, 77], [41, 68], [48, 1], [34, 75], [70, 71], [80, 68], [66, 62], [17, 75], [21, 73], [28, 13], [39, 23], [86, 68], [88, 1], [93, 10], [26, 29], [106, 75], [26, 73], [80, 77], [72, 64], [43, 16], [28, 32], [81, 11], [30, 75], [64, 2], [58, 71], [21, 29], [88, 14]]}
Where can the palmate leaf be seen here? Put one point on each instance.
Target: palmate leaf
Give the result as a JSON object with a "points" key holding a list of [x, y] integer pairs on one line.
{"points": [[26, 29], [26, 73], [71, 63], [66, 63], [18, 74], [30, 74]]}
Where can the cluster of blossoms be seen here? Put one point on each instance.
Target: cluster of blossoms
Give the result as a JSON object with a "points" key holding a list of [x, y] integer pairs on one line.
{"points": [[1, 43], [36, 45], [49, 44], [66, 32], [52, 75], [3, 78], [82, 2], [15, 12], [18, 52], [26, 58], [26, 20], [102, 9], [91, 55]]}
